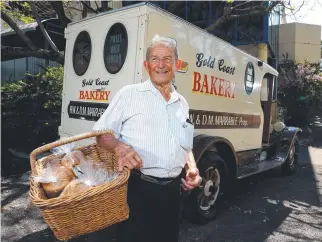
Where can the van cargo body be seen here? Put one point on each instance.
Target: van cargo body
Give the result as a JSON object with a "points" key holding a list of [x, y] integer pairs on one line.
{"points": [[225, 87]]}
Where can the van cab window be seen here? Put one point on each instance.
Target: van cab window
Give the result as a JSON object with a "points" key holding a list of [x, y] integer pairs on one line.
{"points": [[82, 53], [115, 48]]}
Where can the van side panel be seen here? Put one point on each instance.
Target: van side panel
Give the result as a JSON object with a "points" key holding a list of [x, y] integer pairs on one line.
{"points": [[86, 97], [220, 83]]}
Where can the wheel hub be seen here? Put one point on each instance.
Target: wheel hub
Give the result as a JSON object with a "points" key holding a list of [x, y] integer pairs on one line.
{"points": [[208, 195], [208, 188]]}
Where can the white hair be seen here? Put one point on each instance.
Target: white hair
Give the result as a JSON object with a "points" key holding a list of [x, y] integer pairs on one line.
{"points": [[172, 43]]}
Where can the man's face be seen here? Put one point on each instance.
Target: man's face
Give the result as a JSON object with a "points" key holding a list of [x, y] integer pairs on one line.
{"points": [[161, 64]]}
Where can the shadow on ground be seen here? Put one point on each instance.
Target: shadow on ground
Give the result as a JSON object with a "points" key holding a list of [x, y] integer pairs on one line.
{"points": [[266, 207]]}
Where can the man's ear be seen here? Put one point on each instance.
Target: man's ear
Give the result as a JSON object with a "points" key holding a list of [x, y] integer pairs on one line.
{"points": [[146, 65], [178, 65]]}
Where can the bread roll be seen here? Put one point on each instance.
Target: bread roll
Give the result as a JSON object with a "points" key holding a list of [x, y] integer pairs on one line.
{"points": [[63, 176], [74, 187], [73, 158]]}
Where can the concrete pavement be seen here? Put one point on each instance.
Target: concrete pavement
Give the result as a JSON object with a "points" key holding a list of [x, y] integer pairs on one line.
{"points": [[267, 207]]}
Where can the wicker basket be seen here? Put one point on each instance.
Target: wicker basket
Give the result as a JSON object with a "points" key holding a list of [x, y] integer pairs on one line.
{"points": [[96, 208]]}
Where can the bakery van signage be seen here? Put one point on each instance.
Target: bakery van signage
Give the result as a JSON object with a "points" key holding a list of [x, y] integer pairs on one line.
{"points": [[96, 95], [86, 110], [206, 84], [220, 120]]}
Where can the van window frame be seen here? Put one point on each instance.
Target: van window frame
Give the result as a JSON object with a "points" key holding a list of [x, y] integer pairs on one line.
{"points": [[90, 55], [124, 51]]}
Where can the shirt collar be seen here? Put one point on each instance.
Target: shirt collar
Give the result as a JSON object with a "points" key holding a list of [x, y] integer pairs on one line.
{"points": [[148, 86]]}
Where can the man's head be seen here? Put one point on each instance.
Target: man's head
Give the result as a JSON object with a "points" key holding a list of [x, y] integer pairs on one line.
{"points": [[162, 60]]}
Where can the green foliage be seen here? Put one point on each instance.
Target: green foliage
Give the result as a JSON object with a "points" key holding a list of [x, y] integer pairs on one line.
{"points": [[31, 110], [300, 91], [18, 11]]}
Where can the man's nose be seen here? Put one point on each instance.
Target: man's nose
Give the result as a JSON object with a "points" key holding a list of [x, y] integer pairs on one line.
{"points": [[161, 63]]}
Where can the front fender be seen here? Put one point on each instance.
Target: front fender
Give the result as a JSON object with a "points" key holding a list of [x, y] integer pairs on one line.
{"points": [[203, 143], [288, 136], [289, 133]]}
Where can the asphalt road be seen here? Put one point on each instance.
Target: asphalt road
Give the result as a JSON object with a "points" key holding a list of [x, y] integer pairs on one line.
{"points": [[267, 207]]}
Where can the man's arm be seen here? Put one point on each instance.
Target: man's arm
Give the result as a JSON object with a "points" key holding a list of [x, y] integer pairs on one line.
{"points": [[126, 155], [108, 142], [193, 179], [191, 163]]}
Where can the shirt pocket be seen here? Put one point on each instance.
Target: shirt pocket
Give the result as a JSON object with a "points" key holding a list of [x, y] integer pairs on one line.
{"points": [[186, 131]]}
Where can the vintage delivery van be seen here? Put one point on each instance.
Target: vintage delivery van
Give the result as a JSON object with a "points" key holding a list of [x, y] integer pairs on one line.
{"points": [[228, 90]]}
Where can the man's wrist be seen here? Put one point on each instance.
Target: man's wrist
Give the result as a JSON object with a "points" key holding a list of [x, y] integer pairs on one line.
{"points": [[120, 144]]}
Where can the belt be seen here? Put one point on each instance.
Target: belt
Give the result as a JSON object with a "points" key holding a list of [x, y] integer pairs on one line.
{"points": [[156, 180]]}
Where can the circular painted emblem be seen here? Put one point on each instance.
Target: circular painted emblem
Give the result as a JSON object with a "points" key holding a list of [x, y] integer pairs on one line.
{"points": [[249, 78]]}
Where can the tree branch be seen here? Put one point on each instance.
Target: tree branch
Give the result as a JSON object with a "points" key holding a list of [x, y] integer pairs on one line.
{"points": [[175, 5], [289, 8], [59, 9], [11, 53], [85, 4], [16, 28], [242, 4], [96, 4], [229, 16], [42, 29], [84, 12], [252, 8]]}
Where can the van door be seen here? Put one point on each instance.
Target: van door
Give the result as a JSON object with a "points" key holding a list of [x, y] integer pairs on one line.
{"points": [[100, 59]]}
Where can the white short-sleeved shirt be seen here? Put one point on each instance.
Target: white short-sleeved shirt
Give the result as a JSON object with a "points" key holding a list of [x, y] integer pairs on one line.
{"points": [[157, 130]]}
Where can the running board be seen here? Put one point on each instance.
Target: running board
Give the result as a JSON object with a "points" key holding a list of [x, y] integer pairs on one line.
{"points": [[261, 166]]}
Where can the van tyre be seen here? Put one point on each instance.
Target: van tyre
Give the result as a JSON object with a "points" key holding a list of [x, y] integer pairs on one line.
{"points": [[290, 165], [202, 204]]}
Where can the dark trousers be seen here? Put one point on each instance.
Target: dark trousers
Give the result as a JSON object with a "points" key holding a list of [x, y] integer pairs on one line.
{"points": [[154, 211]]}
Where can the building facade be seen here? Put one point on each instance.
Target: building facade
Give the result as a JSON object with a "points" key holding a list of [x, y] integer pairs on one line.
{"points": [[300, 42]]}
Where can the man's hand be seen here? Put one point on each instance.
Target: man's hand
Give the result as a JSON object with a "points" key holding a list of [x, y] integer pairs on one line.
{"points": [[193, 179], [128, 157]]}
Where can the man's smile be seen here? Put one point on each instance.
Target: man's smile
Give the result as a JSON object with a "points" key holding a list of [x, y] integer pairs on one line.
{"points": [[162, 72]]}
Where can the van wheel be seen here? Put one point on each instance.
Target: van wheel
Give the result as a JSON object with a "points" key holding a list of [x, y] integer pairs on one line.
{"points": [[201, 205], [290, 165]]}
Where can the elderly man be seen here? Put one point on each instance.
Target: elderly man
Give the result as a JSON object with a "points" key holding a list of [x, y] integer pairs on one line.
{"points": [[153, 137]]}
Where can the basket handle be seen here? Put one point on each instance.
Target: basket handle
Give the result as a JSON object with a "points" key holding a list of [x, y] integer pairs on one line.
{"points": [[39, 150]]}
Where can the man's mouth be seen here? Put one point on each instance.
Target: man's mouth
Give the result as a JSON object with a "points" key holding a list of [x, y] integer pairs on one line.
{"points": [[161, 72]]}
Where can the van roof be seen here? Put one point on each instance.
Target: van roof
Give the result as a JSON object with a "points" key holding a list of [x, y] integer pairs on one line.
{"points": [[271, 69]]}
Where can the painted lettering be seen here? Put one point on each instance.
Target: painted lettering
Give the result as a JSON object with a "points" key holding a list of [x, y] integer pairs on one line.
{"points": [[196, 81], [213, 85], [233, 85], [94, 95], [101, 83], [205, 84], [227, 69], [210, 62], [221, 87], [227, 90], [87, 82]]}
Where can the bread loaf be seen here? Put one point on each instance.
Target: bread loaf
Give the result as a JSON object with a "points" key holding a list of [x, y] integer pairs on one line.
{"points": [[74, 187], [73, 158], [62, 177]]}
